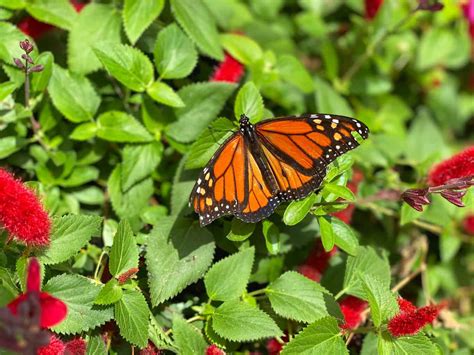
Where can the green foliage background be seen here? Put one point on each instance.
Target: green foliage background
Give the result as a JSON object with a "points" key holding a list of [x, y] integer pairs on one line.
{"points": [[127, 117]]}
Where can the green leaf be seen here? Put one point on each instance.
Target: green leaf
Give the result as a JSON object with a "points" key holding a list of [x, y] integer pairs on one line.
{"points": [[96, 346], [329, 101], [238, 321], [240, 231], [163, 93], [344, 236], [59, 13], [203, 102], [117, 126], [320, 338], [175, 55], [129, 203], [39, 81], [249, 102], [73, 95], [126, 64], [131, 314], [296, 297], [188, 338], [208, 142], [138, 15], [198, 23], [110, 293], [366, 262], [241, 47], [84, 131], [96, 23], [124, 252], [414, 345], [7, 88], [13, 4], [10, 145], [297, 210], [382, 302], [227, 279], [70, 233], [340, 191], [139, 161], [78, 293], [178, 254], [272, 237], [449, 244], [408, 214], [295, 73], [328, 237]]}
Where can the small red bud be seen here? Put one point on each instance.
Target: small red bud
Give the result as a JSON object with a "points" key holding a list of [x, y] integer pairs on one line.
{"points": [[18, 63], [26, 46], [37, 68], [27, 58]]}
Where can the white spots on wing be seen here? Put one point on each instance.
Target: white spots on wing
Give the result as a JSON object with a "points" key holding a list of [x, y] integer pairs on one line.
{"points": [[358, 124], [199, 181], [314, 116], [335, 120], [338, 147], [327, 116]]}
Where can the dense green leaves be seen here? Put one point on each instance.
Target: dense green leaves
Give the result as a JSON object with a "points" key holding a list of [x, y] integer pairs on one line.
{"points": [[196, 20], [73, 95], [127, 64], [227, 279], [321, 337], [70, 233], [239, 321], [175, 55]]}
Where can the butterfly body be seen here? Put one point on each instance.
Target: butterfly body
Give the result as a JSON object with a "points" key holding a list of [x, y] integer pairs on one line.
{"points": [[276, 160]]}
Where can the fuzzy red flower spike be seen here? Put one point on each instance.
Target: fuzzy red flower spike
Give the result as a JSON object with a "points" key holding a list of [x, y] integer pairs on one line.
{"points": [[353, 310], [53, 310], [230, 70]]}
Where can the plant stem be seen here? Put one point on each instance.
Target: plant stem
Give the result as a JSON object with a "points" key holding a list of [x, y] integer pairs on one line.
{"points": [[99, 264], [257, 292]]}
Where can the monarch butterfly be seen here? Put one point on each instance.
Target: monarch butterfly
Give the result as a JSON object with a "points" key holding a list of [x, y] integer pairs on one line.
{"points": [[276, 160]]}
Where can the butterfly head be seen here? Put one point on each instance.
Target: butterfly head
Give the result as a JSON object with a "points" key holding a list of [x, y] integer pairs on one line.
{"points": [[245, 125]]}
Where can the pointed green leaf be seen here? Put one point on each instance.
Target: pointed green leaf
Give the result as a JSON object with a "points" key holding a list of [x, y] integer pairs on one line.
{"points": [[124, 252], [241, 47], [344, 236], [78, 293], [178, 254], [117, 126], [126, 64], [227, 279], [328, 237], [203, 102], [131, 314], [198, 23], [138, 15], [59, 13], [96, 23], [39, 81], [293, 71], [139, 161], [339, 191], [320, 338], [96, 346], [73, 95], [297, 210], [382, 302], [163, 93], [110, 293], [175, 55], [296, 297], [188, 338], [249, 102], [238, 321], [70, 233], [240, 231]]}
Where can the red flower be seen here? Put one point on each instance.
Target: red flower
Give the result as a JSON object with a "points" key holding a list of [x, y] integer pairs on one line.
{"points": [[53, 310], [352, 308], [229, 70], [76, 346], [35, 29], [458, 166], [122, 278], [353, 185], [316, 262], [21, 213], [274, 347], [468, 9], [372, 8], [468, 224], [150, 350], [411, 320], [214, 350], [55, 347]]}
